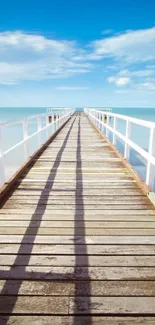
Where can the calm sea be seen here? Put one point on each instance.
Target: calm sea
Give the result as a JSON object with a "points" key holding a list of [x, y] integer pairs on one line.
{"points": [[14, 134], [14, 113]]}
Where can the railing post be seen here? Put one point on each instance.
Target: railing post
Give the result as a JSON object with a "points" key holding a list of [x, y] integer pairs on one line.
{"points": [[107, 130], [150, 173], [39, 128], [2, 168], [25, 133], [114, 129], [127, 136], [58, 120], [102, 123], [47, 128], [99, 120]]}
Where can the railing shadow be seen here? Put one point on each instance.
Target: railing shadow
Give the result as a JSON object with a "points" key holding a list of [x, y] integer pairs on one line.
{"points": [[86, 289]]}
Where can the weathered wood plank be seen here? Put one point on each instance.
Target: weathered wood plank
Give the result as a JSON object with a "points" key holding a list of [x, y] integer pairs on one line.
{"points": [[64, 249], [80, 212], [34, 305], [77, 320], [77, 231], [79, 224], [87, 193], [145, 218], [57, 206], [111, 305], [115, 240], [67, 260], [98, 288], [69, 273], [91, 201]]}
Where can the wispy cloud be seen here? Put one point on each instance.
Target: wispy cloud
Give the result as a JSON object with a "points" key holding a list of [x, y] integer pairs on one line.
{"points": [[26, 56], [34, 57], [71, 88], [130, 46], [119, 81]]}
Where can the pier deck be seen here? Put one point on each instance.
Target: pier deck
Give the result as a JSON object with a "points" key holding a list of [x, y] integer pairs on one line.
{"points": [[77, 236]]}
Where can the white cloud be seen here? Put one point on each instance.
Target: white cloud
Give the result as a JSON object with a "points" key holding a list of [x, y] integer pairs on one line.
{"points": [[130, 46], [119, 81], [137, 73], [34, 57], [25, 56], [71, 88], [147, 86]]}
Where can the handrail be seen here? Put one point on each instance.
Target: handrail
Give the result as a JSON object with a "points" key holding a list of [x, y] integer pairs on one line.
{"points": [[54, 122], [97, 117]]}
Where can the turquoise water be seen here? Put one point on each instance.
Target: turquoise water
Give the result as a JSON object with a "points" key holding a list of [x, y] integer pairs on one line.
{"points": [[12, 135], [14, 113]]}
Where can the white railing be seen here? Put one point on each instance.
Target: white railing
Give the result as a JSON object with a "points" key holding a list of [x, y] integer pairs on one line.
{"points": [[102, 119], [52, 110], [109, 110], [53, 123]]}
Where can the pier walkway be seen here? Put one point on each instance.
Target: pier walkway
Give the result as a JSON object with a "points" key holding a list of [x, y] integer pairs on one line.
{"points": [[77, 237]]}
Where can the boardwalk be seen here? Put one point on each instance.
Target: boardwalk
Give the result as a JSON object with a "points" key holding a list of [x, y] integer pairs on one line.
{"points": [[77, 237]]}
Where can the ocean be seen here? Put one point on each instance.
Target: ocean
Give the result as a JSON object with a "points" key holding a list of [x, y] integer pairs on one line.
{"points": [[12, 135], [18, 113]]}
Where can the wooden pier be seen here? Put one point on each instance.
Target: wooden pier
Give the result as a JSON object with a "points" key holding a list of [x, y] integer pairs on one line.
{"points": [[77, 237]]}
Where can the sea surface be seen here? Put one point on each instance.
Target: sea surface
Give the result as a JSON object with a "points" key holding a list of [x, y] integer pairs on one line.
{"points": [[13, 134]]}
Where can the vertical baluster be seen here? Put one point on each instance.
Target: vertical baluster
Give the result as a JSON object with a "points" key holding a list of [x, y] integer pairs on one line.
{"points": [[60, 114], [47, 126], [2, 167], [114, 127], [99, 120], [58, 120], [25, 135], [39, 128], [102, 123], [127, 147], [52, 124], [150, 174], [107, 130], [55, 115]]}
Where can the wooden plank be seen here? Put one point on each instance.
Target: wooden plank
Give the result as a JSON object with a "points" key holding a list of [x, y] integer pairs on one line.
{"points": [[145, 218], [111, 305], [80, 320], [86, 200], [68, 273], [79, 224], [34, 305], [75, 206], [80, 212], [71, 186], [88, 193], [78, 231], [64, 249], [115, 240], [98, 288], [67, 260]]}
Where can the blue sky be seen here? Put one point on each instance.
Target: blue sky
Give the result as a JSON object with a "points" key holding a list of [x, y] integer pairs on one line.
{"points": [[77, 53]]}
